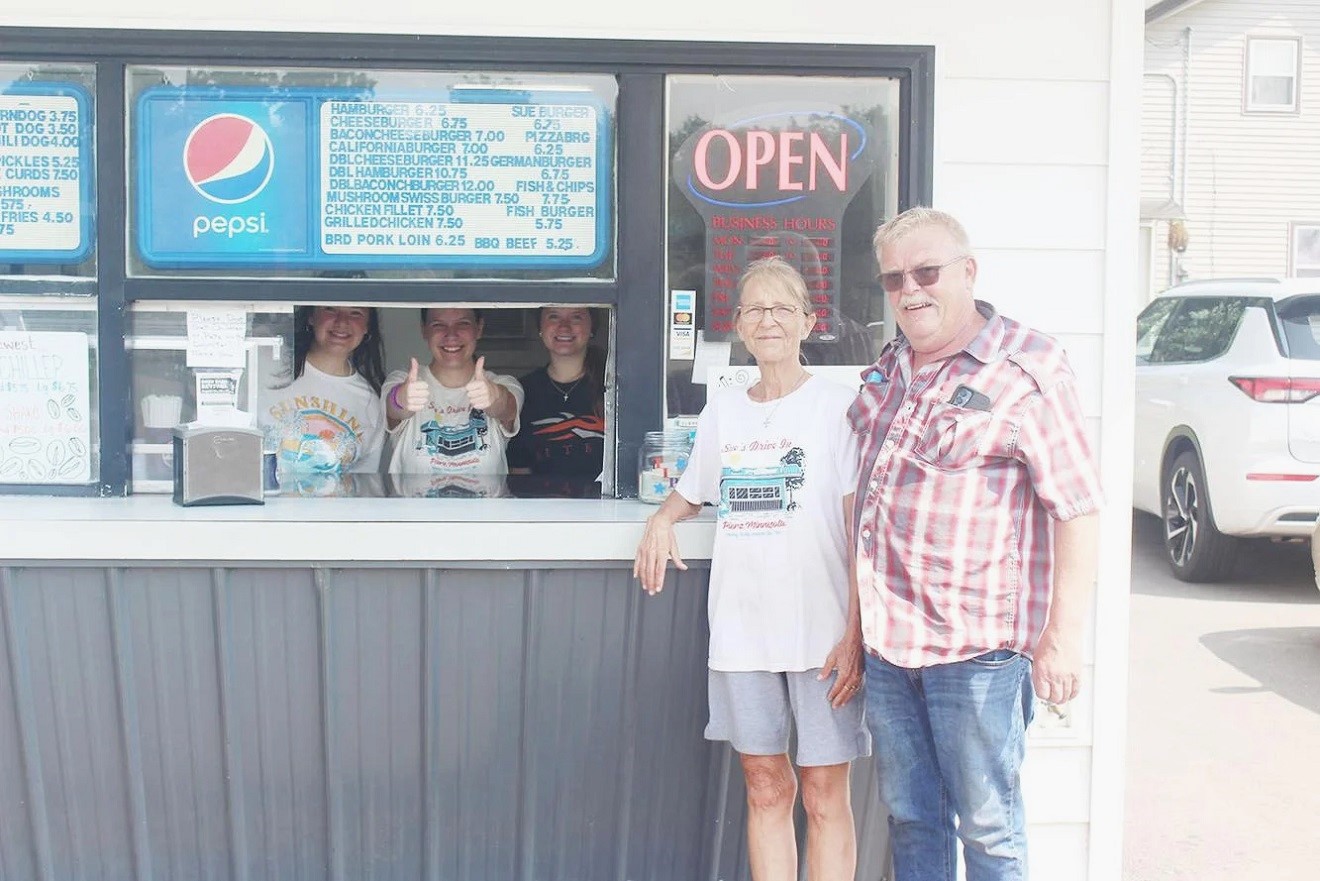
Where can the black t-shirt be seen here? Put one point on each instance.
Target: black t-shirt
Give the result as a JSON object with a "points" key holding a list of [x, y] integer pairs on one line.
{"points": [[560, 436]]}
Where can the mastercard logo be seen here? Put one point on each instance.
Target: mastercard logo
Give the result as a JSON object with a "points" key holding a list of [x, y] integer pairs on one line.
{"points": [[228, 158]]}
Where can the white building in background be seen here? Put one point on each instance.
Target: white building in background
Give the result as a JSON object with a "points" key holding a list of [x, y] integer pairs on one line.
{"points": [[1230, 154]]}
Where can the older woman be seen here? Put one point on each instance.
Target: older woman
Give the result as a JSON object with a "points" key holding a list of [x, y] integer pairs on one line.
{"points": [[785, 635]]}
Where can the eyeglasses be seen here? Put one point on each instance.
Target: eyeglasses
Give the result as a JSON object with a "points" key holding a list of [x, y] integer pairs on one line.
{"points": [[922, 275], [780, 312]]}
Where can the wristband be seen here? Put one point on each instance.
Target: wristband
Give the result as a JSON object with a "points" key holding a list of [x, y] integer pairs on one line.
{"points": [[394, 398]]}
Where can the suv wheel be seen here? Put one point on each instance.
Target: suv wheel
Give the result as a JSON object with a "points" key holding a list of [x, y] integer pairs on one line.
{"points": [[1197, 550]]}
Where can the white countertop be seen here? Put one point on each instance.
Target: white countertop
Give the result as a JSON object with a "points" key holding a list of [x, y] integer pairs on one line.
{"points": [[335, 531]]}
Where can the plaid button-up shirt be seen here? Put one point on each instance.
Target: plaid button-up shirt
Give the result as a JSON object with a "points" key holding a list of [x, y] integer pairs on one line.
{"points": [[965, 463]]}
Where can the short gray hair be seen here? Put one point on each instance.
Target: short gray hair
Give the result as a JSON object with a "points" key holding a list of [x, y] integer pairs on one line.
{"points": [[916, 218], [779, 273]]}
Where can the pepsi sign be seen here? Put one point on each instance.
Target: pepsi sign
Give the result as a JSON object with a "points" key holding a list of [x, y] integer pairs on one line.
{"points": [[228, 158], [210, 187], [328, 176]]}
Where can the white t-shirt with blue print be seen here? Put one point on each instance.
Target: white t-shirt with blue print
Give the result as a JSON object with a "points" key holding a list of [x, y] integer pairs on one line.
{"points": [[777, 473]]}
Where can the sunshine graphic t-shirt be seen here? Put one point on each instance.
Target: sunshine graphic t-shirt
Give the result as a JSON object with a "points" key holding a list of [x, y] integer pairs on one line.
{"points": [[324, 423], [777, 473], [449, 436]]}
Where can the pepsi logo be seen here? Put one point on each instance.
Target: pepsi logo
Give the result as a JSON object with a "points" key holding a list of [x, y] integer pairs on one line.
{"points": [[228, 158]]}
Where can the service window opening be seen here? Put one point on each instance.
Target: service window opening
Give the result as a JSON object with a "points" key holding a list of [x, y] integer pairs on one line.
{"points": [[329, 384]]}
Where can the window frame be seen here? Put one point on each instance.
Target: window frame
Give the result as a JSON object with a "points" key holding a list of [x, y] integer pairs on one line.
{"points": [[1293, 228], [1248, 105], [636, 293]]}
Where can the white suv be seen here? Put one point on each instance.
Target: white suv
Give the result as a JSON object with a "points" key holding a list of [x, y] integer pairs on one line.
{"points": [[1228, 417]]}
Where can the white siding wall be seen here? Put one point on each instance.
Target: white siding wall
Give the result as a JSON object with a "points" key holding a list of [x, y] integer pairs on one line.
{"points": [[1035, 156], [1159, 129], [1248, 175]]}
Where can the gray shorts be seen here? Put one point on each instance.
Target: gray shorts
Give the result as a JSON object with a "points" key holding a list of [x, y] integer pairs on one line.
{"points": [[753, 711]]}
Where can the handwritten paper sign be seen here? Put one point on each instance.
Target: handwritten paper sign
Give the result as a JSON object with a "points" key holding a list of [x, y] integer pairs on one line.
{"points": [[44, 408], [215, 337]]}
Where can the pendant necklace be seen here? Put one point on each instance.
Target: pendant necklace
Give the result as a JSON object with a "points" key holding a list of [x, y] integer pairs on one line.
{"points": [[559, 388], [780, 400]]}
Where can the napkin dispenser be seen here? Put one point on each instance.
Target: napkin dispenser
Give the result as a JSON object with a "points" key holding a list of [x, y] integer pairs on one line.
{"points": [[215, 465]]}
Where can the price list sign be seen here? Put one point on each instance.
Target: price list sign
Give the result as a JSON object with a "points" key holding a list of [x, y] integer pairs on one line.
{"points": [[44, 182], [479, 183]]}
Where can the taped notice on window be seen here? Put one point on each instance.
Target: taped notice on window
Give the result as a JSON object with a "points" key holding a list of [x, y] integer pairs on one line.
{"points": [[215, 337]]}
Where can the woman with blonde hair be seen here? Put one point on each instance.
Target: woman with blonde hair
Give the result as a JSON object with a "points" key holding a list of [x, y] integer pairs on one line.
{"points": [[780, 463]]}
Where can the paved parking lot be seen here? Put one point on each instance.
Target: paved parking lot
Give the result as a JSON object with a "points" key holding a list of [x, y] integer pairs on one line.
{"points": [[1224, 719]]}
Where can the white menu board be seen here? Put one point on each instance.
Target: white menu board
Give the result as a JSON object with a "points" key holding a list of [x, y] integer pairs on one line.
{"points": [[474, 180], [40, 173], [44, 408]]}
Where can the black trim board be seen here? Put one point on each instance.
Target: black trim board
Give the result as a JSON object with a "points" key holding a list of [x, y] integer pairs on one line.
{"points": [[510, 53]]}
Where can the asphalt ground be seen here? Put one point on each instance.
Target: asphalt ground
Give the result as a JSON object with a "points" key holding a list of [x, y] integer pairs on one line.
{"points": [[1223, 749]]}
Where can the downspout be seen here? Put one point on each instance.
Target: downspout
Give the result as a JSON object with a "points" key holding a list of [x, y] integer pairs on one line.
{"points": [[1174, 166], [1186, 124]]}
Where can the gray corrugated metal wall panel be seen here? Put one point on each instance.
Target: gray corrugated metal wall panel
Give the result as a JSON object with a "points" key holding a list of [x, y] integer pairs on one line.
{"points": [[171, 696], [273, 721], [374, 723], [69, 722], [18, 844]]}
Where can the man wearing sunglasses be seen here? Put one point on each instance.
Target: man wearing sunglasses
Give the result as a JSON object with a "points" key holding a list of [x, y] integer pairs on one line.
{"points": [[976, 532]]}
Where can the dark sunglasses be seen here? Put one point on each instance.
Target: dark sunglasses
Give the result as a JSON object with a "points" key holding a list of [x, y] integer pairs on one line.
{"points": [[922, 275]]}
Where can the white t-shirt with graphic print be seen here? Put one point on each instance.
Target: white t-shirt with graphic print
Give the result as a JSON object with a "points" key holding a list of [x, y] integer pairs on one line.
{"points": [[777, 473], [448, 436], [324, 424]]}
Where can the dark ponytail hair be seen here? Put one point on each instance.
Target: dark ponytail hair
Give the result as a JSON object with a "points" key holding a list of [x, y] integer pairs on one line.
{"points": [[368, 359], [595, 374]]}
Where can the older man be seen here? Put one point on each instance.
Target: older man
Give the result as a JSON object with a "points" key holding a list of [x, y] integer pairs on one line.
{"points": [[976, 535]]}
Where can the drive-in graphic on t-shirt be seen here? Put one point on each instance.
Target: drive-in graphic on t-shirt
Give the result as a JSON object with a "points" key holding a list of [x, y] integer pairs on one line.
{"points": [[316, 436], [758, 486], [448, 441]]}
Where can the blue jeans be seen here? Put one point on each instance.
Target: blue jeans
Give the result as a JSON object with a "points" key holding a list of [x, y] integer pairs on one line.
{"points": [[949, 741]]}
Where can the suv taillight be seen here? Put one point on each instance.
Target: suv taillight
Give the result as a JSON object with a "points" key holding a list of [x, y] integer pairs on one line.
{"points": [[1277, 390]]}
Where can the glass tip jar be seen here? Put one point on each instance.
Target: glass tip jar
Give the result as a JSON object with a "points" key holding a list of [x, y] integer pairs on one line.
{"points": [[664, 455]]}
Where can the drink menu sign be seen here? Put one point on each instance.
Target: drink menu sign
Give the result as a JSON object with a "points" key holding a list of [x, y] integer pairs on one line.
{"points": [[45, 173], [774, 183], [468, 178]]}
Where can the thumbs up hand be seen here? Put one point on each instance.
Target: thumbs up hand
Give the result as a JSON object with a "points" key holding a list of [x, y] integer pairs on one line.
{"points": [[412, 394], [481, 392]]}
